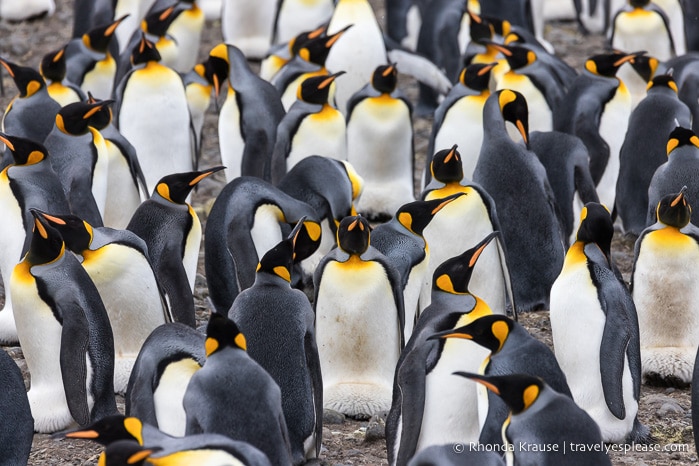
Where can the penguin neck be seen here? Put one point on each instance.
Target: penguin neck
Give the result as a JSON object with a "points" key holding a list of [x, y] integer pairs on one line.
{"points": [[263, 278], [450, 188], [575, 255]]}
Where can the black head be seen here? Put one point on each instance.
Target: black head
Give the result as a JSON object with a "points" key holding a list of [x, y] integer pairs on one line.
{"points": [[481, 29], [680, 137], [125, 452], [385, 78], [446, 166], [53, 65], [639, 3], [222, 332], [453, 275], [645, 66], [316, 89], [109, 429], [102, 117], [354, 234], [674, 210], [514, 109], [46, 244], [300, 40], [144, 52], [596, 226], [280, 259], [609, 63], [76, 117], [518, 391], [76, 232], [24, 151], [490, 331], [98, 38], [215, 70], [159, 21], [316, 50], [477, 76], [416, 215], [27, 79], [176, 187], [517, 56]]}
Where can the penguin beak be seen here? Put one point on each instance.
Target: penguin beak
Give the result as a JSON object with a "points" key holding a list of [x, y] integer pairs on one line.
{"points": [[110, 30], [6, 141], [481, 247], [628, 58], [523, 131], [451, 333], [204, 174], [679, 197], [447, 201], [486, 69], [499, 47], [330, 80], [8, 67], [452, 153], [96, 107], [481, 380], [335, 37]]}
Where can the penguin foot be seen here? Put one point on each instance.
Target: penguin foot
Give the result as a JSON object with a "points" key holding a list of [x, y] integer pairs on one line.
{"points": [[49, 409], [668, 367], [122, 372], [357, 399], [657, 380]]}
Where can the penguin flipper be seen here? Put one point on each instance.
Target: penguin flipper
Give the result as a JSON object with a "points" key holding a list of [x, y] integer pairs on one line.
{"points": [[313, 363], [74, 343], [421, 69], [584, 184], [586, 128], [177, 291]]}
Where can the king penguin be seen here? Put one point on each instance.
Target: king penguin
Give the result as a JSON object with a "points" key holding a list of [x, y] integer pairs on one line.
{"points": [[430, 406], [292, 17], [644, 149], [282, 54], [603, 362], [380, 143], [358, 298], [53, 69], [172, 232], [65, 335], [248, 26], [116, 260], [514, 177], [642, 25], [28, 182], [231, 379], [16, 436], [666, 307], [248, 218], [169, 357], [276, 320]]}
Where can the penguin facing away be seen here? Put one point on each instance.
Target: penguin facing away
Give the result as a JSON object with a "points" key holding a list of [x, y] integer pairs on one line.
{"points": [[53, 69]]}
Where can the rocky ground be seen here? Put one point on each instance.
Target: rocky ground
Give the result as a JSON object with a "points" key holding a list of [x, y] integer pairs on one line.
{"points": [[666, 411]]}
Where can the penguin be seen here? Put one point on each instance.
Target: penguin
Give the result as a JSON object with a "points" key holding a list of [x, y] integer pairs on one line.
{"points": [[90, 13], [527, 15], [458, 120], [429, 406], [116, 260], [401, 240], [593, 16], [512, 351], [642, 25], [80, 159], [541, 416], [312, 127], [32, 112], [292, 17], [153, 114], [172, 232], [16, 11], [685, 72], [358, 298], [281, 54], [597, 109], [667, 338], [53, 70], [112, 430], [691, 11], [248, 26], [65, 335], [649, 126], [248, 118], [133, 11], [603, 363], [168, 358], [276, 320], [330, 187], [567, 165], [89, 61], [186, 30], [380, 143], [28, 182], [16, 436], [199, 85], [680, 169], [514, 177], [474, 216], [230, 378]]}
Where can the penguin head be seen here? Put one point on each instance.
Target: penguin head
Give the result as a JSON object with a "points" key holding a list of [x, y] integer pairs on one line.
{"points": [[453, 275], [98, 38], [300, 40], [280, 259], [517, 56], [385, 78], [158, 22], [215, 70], [596, 226], [306, 237], [608, 64], [514, 109], [446, 166], [109, 429], [316, 89], [639, 3], [416, 215], [144, 52], [76, 232], [176, 187], [24, 151], [481, 29], [645, 66], [75, 118], [674, 210], [102, 117], [47, 244], [518, 391], [53, 65], [222, 332], [125, 452], [477, 76], [680, 137], [354, 234], [490, 331], [316, 50], [661, 81], [27, 79]]}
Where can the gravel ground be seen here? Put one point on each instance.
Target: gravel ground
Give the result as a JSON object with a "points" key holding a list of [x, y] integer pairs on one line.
{"points": [[347, 442]]}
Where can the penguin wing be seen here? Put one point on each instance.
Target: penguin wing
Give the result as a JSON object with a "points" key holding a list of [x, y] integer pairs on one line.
{"points": [[543, 79], [178, 294], [394, 277], [313, 363], [660, 12], [616, 336], [128, 151], [282, 146], [421, 69], [586, 127], [582, 179]]}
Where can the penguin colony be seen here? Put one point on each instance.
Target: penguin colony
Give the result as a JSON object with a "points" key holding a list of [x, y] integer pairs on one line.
{"points": [[334, 285]]}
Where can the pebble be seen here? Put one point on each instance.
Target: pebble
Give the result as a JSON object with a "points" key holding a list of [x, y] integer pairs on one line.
{"points": [[331, 417], [669, 407], [376, 429]]}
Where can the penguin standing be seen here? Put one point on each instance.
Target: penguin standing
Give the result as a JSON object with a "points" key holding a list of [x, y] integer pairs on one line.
{"points": [[248, 120], [248, 26], [169, 357], [282, 54], [430, 406], [233, 395], [133, 12], [358, 298], [514, 177], [172, 232], [28, 182], [541, 416], [294, 16], [186, 31], [380, 143], [248, 218], [642, 25], [16, 436], [279, 320], [312, 127], [116, 260], [152, 113], [666, 307], [474, 217], [65, 335], [644, 149], [603, 362], [53, 69]]}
